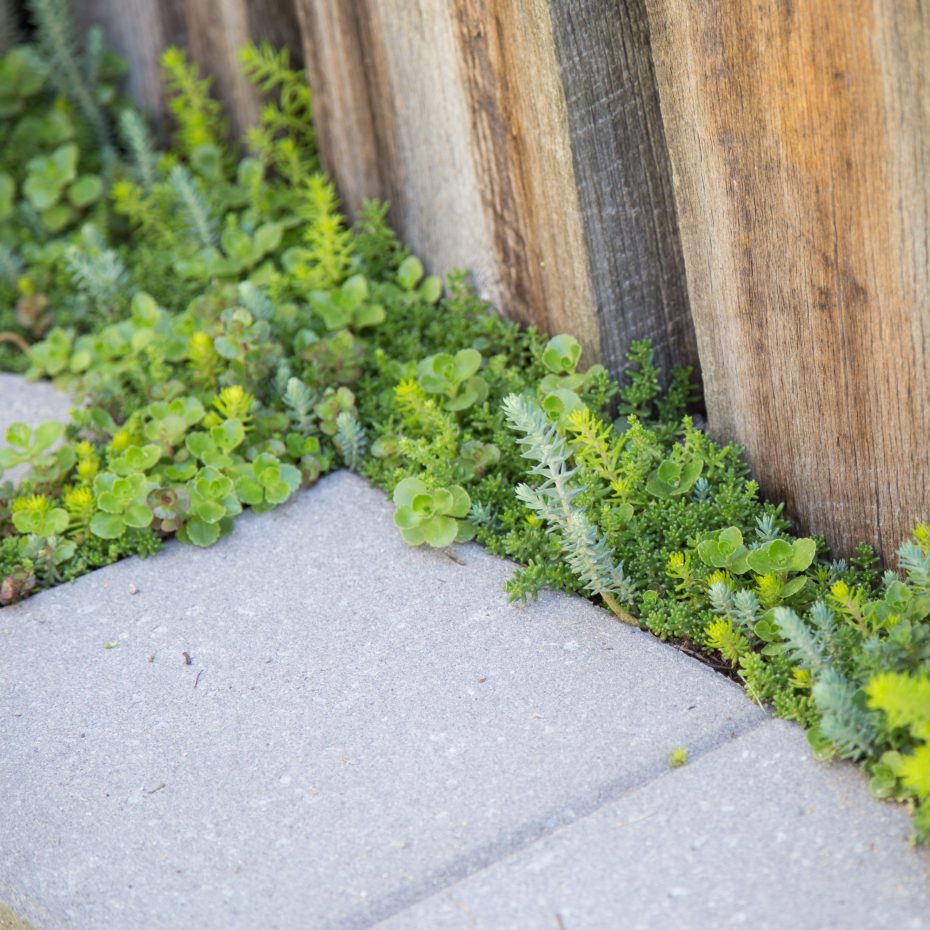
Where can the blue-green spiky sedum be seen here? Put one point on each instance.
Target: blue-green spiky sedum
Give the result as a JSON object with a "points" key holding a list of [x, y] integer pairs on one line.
{"points": [[586, 552], [200, 223], [350, 440]]}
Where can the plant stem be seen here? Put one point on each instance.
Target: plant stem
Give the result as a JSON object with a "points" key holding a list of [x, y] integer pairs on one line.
{"points": [[16, 339], [622, 614]]}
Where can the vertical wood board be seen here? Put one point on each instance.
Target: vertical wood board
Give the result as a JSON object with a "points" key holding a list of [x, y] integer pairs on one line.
{"points": [[522, 141], [798, 142], [624, 178], [212, 32]]}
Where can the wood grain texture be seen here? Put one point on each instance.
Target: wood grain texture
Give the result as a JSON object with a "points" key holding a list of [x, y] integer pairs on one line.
{"points": [[799, 136], [519, 137], [624, 178], [139, 30], [337, 56], [421, 129], [212, 32], [520, 140]]}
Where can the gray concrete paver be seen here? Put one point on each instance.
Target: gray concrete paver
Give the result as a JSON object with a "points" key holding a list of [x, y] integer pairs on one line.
{"points": [[754, 834], [359, 724]]}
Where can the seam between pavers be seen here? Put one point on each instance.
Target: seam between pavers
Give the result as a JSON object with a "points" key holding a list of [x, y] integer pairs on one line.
{"points": [[530, 834]]}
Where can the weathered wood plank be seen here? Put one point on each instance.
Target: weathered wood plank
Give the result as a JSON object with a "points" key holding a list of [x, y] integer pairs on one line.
{"points": [[526, 176], [212, 32], [799, 140], [624, 178], [140, 31], [336, 55], [522, 141]]}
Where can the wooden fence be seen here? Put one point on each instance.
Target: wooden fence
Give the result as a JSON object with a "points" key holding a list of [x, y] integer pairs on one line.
{"points": [[746, 182]]}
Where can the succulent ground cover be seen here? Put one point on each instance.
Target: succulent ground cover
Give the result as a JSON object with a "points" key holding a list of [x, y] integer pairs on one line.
{"points": [[229, 338]]}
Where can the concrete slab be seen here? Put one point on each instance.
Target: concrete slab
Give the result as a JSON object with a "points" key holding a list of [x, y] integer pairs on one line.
{"points": [[312, 725], [754, 834], [28, 402]]}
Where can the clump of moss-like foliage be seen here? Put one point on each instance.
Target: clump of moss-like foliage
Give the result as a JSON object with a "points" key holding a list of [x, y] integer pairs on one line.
{"points": [[229, 339]]}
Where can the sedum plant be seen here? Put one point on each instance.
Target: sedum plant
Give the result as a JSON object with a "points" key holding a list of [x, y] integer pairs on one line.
{"points": [[435, 516], [454, 377], [555, 502], [233, 338], [905, 702]]}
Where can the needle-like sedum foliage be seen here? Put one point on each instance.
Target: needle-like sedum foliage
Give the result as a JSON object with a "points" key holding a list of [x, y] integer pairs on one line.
{"points": [[70, 72], [555, 502], [199, 119]]}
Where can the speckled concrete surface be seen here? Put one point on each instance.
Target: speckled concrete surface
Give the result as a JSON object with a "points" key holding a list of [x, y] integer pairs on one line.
{"points": [[755, 834], [358, 722], [311, 725]]}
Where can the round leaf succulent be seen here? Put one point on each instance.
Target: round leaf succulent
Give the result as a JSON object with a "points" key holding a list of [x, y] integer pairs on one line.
{"points": [[121, 504], [672, 479], [435, 517], [37, 516], [561, 354], [781, 556], [725, 551], [136, 459], [455, 377], [169, 505]]}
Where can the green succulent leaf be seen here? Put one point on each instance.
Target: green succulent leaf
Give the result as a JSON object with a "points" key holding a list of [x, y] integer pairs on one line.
{"points": [[407, 490], [672, 479], [27, 445], [465, 532], [431, 289], [49, 174], [406, 518], [86, 190], [779, 555], [413, 535], [47, 523], [440, 531], [725, 551], [137, 459], [561, 354], [7, 195], [249, 490], [137, 515], [201, 533], [410, 273], [465, 364], [107, 525], [561, 402], [460, 503], [267, 238]]}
